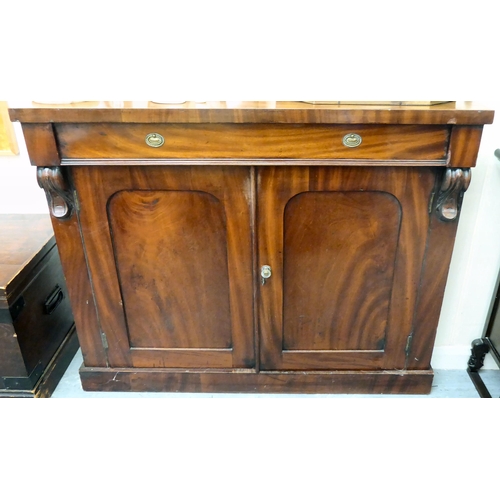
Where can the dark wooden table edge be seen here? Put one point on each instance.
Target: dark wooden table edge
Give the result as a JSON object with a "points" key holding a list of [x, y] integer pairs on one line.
{"points": [[338, 382]]}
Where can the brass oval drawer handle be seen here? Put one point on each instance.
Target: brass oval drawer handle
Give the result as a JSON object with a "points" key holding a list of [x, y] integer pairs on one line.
{"points": [[352, 140], [155, 140]]}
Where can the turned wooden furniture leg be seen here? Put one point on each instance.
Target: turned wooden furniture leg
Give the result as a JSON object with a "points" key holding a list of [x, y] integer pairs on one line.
{"points": [[479, 349]]}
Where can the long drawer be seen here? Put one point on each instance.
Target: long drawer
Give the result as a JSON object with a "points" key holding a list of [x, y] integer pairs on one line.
{"points": [[247, 141]]}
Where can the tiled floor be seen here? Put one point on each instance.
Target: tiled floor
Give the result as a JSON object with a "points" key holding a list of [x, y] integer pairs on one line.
{"points": [[447, 384]]}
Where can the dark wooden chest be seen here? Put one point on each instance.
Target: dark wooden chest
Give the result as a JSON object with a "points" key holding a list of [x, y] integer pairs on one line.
{"points": [[37, 334]]}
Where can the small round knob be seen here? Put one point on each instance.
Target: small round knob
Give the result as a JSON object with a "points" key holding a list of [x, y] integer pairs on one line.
{"points": [[155, 140]]}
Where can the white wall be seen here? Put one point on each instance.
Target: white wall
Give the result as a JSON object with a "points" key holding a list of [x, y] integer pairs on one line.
{"points": [[476, 259], [475, 263], [19, 191]]}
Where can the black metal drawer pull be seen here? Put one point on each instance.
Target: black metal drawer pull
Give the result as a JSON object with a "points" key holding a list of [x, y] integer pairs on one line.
{"points": [[53, 300]]}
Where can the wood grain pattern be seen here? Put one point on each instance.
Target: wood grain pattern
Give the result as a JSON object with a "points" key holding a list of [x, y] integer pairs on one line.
{"points": [[411, 188], [80, 289], [464, 146], [454, 113], [339, 250], [340, 382], [96, 189], [41, 144], [433, 282], [252, 141], [167, 244]]}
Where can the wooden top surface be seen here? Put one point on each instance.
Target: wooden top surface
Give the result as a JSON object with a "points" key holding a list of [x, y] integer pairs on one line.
{"points": [[24, 239], [452, 113]]}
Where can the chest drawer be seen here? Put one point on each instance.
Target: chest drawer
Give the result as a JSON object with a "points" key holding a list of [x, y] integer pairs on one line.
{"points": [[247, 141]]}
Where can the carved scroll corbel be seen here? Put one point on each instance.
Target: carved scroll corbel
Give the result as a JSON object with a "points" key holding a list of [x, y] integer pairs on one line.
{"points": [[59, 198], [453, 186]]}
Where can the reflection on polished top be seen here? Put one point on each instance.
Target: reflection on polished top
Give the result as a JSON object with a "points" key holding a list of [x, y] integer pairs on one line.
{"points": [[451, 113]]}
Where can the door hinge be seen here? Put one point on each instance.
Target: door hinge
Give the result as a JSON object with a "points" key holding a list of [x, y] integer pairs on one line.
{"points": [[104, 341], [76, 201], [431, 201], [408, 344]]}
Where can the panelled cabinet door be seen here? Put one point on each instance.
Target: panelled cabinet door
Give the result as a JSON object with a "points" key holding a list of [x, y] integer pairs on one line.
{"points": [[170, 255], [345, 248]]}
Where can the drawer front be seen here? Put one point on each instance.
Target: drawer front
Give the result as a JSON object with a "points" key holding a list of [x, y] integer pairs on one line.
{"points": [[282, 141], [45, 317]]}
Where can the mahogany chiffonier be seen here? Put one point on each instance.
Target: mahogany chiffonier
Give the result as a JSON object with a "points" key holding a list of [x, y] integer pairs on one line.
{"points": [[265, 247]]}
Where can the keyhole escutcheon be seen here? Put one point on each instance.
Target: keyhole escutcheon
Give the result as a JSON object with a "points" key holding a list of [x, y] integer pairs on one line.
{"points": [[265, 273]]}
